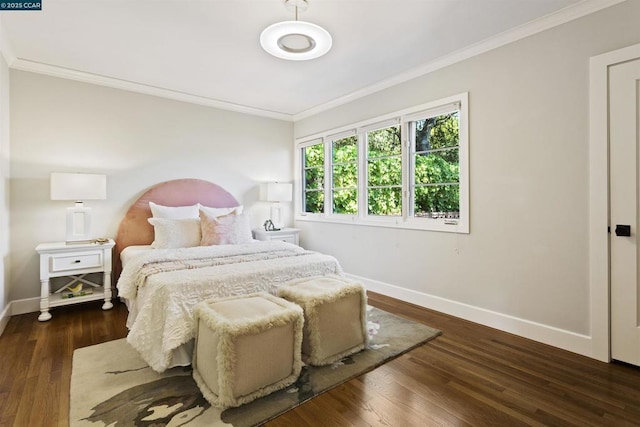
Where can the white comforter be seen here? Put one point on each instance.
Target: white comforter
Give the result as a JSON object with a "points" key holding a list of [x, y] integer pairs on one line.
{"points": [[161, 302]]}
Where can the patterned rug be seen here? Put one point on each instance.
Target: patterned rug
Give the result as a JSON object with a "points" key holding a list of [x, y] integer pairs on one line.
{"points": [[112, 386]]}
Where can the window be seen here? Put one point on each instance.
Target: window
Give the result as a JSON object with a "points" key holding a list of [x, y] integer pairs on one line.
{"points": [[408, 169], [384, 171], [435, 166], [313, 178], [344, 175]]}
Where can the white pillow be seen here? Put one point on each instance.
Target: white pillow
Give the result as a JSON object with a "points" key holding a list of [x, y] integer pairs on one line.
{"points": [[175, 233], [225, 230], [171, 212], [216, 212]]}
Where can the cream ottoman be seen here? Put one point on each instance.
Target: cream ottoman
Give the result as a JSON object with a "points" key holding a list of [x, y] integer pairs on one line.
{"points": [[335, 318], [246, 347]]}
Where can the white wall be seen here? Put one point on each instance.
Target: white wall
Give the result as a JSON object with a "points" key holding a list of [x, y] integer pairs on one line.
{"points": [[137, 140], [526, 258]]}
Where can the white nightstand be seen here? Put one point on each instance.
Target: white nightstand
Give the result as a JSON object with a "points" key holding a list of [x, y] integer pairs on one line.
{"points": [[289, 235], [74, 261]]}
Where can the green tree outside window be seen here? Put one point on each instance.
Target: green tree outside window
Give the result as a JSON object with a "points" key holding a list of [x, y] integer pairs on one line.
{"points": [[344, 153], [313, 169], [436, 191]]}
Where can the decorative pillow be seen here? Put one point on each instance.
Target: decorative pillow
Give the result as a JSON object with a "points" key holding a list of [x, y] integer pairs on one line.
{"points": [[216, 212], [171, 212], [225, 230], [175, 233]]}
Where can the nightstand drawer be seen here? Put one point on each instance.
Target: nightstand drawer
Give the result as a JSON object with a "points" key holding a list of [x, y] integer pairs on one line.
{"points": [[76, 262], [289, 239], [288, 235]]}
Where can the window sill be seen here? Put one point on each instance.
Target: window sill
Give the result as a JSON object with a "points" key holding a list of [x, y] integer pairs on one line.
{"points": [[422, 224]]}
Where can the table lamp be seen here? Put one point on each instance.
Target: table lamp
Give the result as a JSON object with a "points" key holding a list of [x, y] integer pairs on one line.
{"points": [[278, 192], [78, 187]]}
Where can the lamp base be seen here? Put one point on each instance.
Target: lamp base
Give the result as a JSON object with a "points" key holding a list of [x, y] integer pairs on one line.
{"points": [[78, 224], [276, 216]]}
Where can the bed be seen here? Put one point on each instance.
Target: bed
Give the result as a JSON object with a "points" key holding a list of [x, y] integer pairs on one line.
{"points": [[161, 284]]}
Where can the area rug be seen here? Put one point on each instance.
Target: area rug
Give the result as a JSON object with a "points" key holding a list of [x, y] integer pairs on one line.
{"points": [[112, 386]]}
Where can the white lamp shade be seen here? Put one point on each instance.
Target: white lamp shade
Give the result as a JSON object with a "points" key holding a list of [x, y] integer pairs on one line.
{"points": [[78, 186], [279, 192]]}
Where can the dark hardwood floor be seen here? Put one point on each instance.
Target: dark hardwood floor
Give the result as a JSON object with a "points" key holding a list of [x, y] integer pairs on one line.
{"points": [[470, 376]]}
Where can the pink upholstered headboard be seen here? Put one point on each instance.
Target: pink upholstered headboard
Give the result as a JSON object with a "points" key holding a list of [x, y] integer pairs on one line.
{"points": [[135, 229]]}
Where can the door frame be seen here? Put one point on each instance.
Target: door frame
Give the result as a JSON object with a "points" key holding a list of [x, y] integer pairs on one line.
{"points": [[599, 246]]}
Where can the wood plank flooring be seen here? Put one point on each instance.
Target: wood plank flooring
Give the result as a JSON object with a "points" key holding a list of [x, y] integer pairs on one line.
{"points": [[470, 376]]}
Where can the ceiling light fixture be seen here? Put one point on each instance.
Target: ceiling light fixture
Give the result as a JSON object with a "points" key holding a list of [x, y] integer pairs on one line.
{"points": [[296, 40]]}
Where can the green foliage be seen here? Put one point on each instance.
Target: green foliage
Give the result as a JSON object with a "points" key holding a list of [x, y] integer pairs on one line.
{"points": [[345, 150], [345, 201], [437, 198], [314, 156], [437, 167], [437, 162], [384, 149], [384, 176], [384, 142], [384, 172], [314, 178], [437, 132], [385, 201], [314, 201], [345, 175]]}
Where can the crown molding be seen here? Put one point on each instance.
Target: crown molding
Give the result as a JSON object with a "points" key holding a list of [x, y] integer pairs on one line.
{"points": [[562, 16], [81, 76]]}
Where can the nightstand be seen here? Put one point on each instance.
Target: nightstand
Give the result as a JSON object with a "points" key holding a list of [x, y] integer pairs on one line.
{"points": [[289, 235], [74, 261]]}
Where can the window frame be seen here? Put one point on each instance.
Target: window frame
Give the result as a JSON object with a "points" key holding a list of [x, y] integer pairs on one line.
{"points": [[300, 195], [403, 118]]}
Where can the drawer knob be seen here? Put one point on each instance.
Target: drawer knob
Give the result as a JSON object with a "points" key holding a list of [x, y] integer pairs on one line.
{"points": [[77, 261]]}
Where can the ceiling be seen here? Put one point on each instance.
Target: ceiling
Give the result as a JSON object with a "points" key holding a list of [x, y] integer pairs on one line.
{"points": [[209, 49]]}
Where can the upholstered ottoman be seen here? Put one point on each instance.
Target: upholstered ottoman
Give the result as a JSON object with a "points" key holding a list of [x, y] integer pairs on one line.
{"points": [[246, 347], [335, 318]]}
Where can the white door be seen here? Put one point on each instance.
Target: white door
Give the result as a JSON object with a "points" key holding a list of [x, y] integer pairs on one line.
{"points": [[624, 146]]}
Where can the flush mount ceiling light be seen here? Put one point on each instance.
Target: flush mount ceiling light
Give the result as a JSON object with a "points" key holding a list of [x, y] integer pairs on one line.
{"points": [[296, 40]]}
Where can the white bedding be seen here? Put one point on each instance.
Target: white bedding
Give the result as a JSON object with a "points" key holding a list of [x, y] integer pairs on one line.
{"points": [[161, 302], [133, 251]]}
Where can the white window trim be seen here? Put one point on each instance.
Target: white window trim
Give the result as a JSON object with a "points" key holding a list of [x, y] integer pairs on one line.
{"points": [[380, 125], [402, 117]]}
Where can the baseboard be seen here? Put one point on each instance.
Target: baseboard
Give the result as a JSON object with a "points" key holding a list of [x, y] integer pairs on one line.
{"points": [[546, 334], [24, 306], [21, 306], [4, 317]]}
